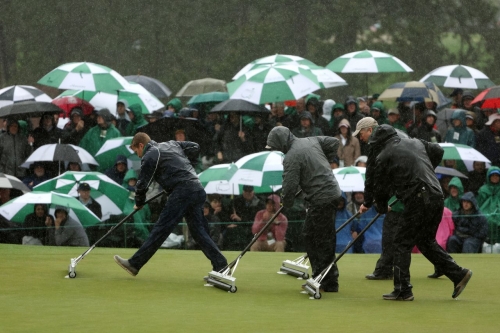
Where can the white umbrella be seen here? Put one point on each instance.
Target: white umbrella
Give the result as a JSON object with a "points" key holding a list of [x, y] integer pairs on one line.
{"points": [[350, 179], [464, 154], [458, 76], [18, 93], [60, 152]]}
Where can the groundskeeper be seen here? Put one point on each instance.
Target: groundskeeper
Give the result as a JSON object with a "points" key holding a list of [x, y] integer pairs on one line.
{"points": [[170, 164], [307, 165]]}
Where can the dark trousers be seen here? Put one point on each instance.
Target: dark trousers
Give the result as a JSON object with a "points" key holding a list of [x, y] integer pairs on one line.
{"points": [[457, 244], [419, 225], [320, 239], [385, 262], [188, 203]]}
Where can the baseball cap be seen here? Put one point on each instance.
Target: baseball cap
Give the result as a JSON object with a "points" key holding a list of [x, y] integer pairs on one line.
{"points": [[468, 95], [393, 111], [84, 187], [492, 118], [366, 122]]}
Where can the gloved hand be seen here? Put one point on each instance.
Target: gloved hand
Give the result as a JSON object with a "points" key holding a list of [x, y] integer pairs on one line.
{"points": [[382, 208]]}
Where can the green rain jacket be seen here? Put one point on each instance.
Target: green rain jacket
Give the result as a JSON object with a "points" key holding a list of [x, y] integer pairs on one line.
{"points": [[451, 203], [488, 200], [143, 216], [137, 122]]}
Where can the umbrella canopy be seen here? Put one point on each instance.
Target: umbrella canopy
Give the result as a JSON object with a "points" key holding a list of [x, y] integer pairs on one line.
{"points": [[273, 59], [8, 181], [464, 154], [489, 97], [110, 195], [240, 106], [84, 76], [209, 97], [68, 103], [274, 83], [443, 121], [29, 108], [154, 86], [16, 209], [458, 76], [106, 156], [201, 86], [350, 179], [449, 172], [264, 169], [19, 93], [368, 62], [60, 152], [408, 92]]}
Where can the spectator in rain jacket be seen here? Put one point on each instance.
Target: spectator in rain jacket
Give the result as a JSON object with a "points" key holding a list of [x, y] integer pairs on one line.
{"points": [[393, 117], [488, 200], [35, 224], [372, 238], [426, 130], [314, 106], [38, 176], [76, 128], [118, 171], [231, 143], [95, 138], [306, 128], [338, 113], [122, 119], [377, 112], [352, 111], [137, 120], [143, 217], [488, 139], [456, 190], [460, 133], [471, 227], [349, 149], [14, 150], [277, 228], [68, 232], [344, 236], [47, 132], [173, 107]]}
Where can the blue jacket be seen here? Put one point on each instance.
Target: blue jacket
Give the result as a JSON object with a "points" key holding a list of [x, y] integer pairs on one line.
{"points": [[474, 224], [344, 236], [372, 242], [460, 134], [169, 164]]}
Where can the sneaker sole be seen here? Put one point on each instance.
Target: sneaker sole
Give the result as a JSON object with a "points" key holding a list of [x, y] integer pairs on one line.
{"points": [[124, 267], [462, 284], [407, 299]]}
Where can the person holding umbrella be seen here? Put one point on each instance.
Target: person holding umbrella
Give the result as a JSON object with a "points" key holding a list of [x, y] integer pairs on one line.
{"points": [[14, 150], [93, 140], [76, 128], [232, 142], [47, 132]]}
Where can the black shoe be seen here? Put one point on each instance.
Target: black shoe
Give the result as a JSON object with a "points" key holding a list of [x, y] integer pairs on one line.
{"points": [[126, 266], [399, 296], [460, 286], [378, 277], [435, 275]]}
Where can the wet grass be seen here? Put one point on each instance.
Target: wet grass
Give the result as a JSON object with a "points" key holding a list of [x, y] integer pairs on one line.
{"points": [[168, 295]]}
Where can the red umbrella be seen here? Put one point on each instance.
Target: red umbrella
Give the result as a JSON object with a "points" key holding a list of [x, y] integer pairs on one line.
{"points": [[67, 103], [490, 98]]}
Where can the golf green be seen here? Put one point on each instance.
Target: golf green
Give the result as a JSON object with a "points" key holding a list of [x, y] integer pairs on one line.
{"points": [[168, 295]]}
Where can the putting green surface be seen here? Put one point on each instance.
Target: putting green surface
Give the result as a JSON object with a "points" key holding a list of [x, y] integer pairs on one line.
{"points": [[168, 295]]}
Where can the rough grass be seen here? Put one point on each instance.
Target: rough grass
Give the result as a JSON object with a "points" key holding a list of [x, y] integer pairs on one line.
{"points": [[168, 296]]}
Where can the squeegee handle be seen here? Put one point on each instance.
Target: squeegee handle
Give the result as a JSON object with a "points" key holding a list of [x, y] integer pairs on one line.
{"points": [[258, 234], [347, 222], [118, 225]]}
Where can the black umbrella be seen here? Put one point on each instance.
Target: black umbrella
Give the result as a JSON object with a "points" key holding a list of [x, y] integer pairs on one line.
{"points": [[239, 106], [154, 86], [29, 108], [164, 130]]}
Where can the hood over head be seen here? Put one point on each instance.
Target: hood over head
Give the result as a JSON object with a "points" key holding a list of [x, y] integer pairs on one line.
{"points": [[280, 138], [469, 196], [276, 201], [460, 115], [381, 135]]}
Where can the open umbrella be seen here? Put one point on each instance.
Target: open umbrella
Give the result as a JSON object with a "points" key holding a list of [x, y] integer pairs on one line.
{"points": [[458, 76], [57, 152], [28, 108], [463, 154], [273, 59], [216, 179], [215, 96], [19, 93], [368, 61], [16, 209], [240, 106], [84, 76], [154, 86], [449, 172], [201, 86], [274, 83], [408, 92], [8, 181], [106, 155], [67, 103], [263, 169], [489, 97], [350, 179], [110, 195]]}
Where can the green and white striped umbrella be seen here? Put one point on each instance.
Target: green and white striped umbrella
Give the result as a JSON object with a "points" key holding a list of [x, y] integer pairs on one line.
{"points": [[216, 179], [368, 62], [274, 83], [106, 156], [273, 59], [84, 76], [458, 76], [463, 154], [16, 209], [99, 100], [350, 179], [264, 169], [110, 195]]}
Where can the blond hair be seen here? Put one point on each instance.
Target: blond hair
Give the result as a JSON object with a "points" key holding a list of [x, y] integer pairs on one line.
{"points": [[140, 138]]}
